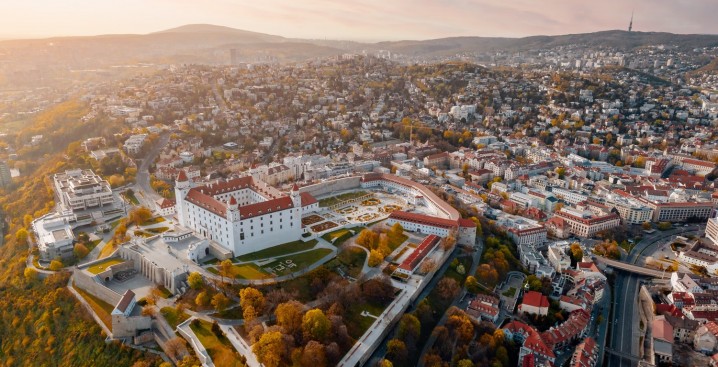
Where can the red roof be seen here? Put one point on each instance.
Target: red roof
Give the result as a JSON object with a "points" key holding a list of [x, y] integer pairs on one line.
{"points": [[182, 177], [420, 252], [165, 203], [423, 219], [265, 207], [307, 198], [536, 299]]}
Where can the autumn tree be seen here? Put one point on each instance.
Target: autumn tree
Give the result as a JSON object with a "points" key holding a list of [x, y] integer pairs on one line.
{"points": [[140, 215], [576, 253], [375, 258], [448, 288], [225, 269], [289, 316], [195, 280], [30, 274], [270, 349], [202, 299], [80, 250], [472, 285], [55, 265], [367, 238], [313, 355], [315, 325], [176, 347], [397, 352], [220, 302], [252, 299], [409, 328]]}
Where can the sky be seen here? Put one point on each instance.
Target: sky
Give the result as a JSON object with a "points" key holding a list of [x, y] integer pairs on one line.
{"points": [[360, 20]]}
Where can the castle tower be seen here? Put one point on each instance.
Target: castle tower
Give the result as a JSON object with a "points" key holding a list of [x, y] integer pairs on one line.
{"points": [[296, 198], [182, 186], [233, 210]]}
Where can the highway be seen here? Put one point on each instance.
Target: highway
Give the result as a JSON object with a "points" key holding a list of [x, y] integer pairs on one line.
{"points": [[624, 333]]}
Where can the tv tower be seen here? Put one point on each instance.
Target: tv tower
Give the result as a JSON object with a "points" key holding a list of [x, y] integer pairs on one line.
{"points": [[630, 25]]}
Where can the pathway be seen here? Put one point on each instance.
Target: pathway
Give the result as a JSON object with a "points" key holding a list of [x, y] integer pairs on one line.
{"points": [[240, 345]]}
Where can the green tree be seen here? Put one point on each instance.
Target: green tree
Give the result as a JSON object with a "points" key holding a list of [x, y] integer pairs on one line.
{"points": [[409, 327], [316, 325]]}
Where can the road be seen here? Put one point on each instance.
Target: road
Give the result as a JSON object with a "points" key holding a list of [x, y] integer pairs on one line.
{"points": [[625, 329], [143, 189]]}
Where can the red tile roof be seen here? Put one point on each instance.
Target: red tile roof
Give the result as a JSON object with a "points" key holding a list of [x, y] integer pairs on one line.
{"points": [[265, 207], [182, 177], [426, 246], [423, 219], [307, 199], [536, 299]]}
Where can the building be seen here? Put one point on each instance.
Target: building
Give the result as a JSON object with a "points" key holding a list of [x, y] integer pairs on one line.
{"points": [[534, 303], [586, 354], [532, 345], [242, 214], [409, 265], [5, 176], [484, 307], [712, 230], [54, 236], [571, 330], [165, 207], [585, 223], [662, 339], [681, 211], [558, 258], [134, 143], [82, 189], [421, 223]]}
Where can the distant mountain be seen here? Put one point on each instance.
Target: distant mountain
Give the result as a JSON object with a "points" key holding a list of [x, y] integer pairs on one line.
{"points": [[41, 60], [621, 40]]}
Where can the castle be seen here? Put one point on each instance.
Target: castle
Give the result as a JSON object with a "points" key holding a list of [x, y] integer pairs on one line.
{"points": [[243, 215]]}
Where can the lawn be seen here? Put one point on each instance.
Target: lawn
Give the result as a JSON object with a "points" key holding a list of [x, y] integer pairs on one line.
{"points": [[101, 308], [219, 348], [279, 250], [341, 235], [107, 250], [244, 271], [234, 313], [301, 261], [357, 324], [510, 292], [102, 266], [154, 220], [157, 230], [173, 316], [396, 241], [451, 272], [352, 259], [339, 198], [131, 197]]}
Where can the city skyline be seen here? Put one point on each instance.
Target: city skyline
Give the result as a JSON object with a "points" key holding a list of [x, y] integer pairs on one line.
{"points": [[365, 20]]}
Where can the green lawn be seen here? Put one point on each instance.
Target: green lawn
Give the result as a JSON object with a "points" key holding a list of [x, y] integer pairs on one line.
{"points": [[234, 313], [154, 220], [219, 348], [301, 261], [244, 271], [338, 237], [357, 324], [131, 197], [173, 316], [339, 198], [101, 308], [510, 292], [352, 259], [279, 250], [466, 261], [102, 266], [157, 230]]}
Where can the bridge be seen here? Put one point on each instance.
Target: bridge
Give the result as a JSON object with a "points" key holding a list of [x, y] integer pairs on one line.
{"points": [[620, 265], [622, 355]]}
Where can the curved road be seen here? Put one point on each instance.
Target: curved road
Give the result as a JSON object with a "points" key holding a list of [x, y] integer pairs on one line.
{"points": [[148, 195], [624, 331]]}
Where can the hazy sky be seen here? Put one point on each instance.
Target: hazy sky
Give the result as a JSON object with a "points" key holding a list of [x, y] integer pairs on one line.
{"points": [[357, 19]]}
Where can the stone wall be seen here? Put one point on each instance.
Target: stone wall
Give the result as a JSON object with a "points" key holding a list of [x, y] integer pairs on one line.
{"points": [[87, 283], [123, 327], [330, 186]]}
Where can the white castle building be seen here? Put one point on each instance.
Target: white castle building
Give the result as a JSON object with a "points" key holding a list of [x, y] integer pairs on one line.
{"points": [[242, 214]]}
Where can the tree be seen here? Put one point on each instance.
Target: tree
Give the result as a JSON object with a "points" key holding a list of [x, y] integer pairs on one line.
{"points": [[409, 327], [396, 230], [220, 302], [664, 226], [55, 265], [30, 274], [313, 355], [646, 226], [202, 299], [576, 253], [367, 238], [385, 363], [189, 361], [225, 269], [289, 316], [447, 288], [316, 325], [176, 347], [465, 363], [427, 266], [397, 352], [80, 250], [448, 242], [270, 349], [375, 258], [21, 236], [472, 285], [488, 274], [140, 215], [252, 298], [195, 280]]}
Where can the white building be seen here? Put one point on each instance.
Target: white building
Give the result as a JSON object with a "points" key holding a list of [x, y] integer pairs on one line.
{"points": [[134, 143], [242, 215], [82, 189], [54, 236]]}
